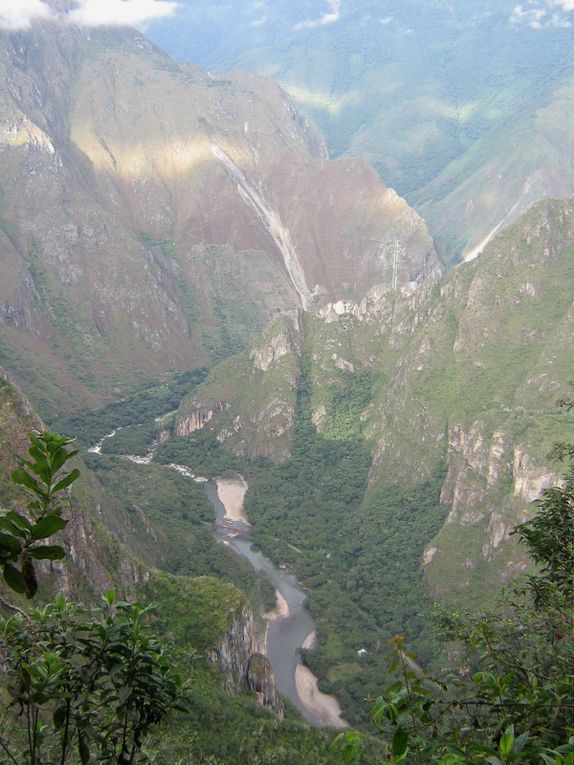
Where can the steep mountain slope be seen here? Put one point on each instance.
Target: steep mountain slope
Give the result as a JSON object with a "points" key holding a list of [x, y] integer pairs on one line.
{"points": [[408, 441], [202, 616], [505, 172], [155, 217], [457, 105], [97, 528]]}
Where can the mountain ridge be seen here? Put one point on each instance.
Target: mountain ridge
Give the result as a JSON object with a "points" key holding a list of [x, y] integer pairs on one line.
{"points": [[155, 217]]}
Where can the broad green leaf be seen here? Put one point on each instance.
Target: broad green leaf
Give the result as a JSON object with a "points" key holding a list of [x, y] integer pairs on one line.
{"points": [[60, 459], [23, 478], [47, 526], [59, 717], [506, 743], [8, 525], [36, 441], [19, 520], [47, 552], [29, 575], [10, 545], [66, 481], [400, 742], [521, 741], [124, 693], [14, 579]]}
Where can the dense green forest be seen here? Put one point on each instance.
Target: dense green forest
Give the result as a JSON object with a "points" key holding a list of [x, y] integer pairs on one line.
{"points": [[316, 513], [141, 405]]}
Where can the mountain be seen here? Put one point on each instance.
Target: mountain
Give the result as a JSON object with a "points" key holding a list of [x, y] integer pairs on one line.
{"points": [[177, 247], [405, 443], [465, 108], [155, 217], [466, 380], [203, 617]]}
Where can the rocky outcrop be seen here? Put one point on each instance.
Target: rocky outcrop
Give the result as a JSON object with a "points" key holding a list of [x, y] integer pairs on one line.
{"points": [[244, 668], [480, 463], [260, 680], [273, 349], [530, 479], [489, 489], [198, 419]]}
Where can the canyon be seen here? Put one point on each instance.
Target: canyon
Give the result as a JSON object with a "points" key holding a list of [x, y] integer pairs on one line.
{"points": [[393, 419]]}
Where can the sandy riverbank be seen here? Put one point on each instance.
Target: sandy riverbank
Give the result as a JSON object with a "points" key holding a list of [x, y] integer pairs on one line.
{"points": [[281, 610], [310, 641], [325, 708], [232, 492]]}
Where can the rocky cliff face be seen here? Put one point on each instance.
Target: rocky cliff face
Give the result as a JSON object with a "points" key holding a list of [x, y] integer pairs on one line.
{"points": [[244, 668], [489, 488], [156, 217], [259, 390], [475, 391]]}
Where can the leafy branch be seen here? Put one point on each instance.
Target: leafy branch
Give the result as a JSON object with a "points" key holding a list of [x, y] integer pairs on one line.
{"points": [[22, 535]]}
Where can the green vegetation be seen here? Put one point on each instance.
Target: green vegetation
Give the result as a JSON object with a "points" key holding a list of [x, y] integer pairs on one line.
{"points": [[96, 685], [507, 695], [345, 405], [202, 453], [171, 525], [194, 613], [22, 536], [166, 246], [314, 512], [138, 407], [132, 439], [87, 685], [93, 682]]}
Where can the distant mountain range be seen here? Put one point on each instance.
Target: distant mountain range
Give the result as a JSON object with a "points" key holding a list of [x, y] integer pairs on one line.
{"points": [[465, 108]]}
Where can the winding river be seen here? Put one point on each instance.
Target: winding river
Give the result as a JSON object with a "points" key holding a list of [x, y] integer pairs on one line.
{"points": [[290, 627]]}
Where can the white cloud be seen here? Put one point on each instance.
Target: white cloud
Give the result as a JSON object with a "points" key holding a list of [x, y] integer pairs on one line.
{"points": [[566, 5], [540, 18], [19, 14], [533, 17], [97, 13], [258, 22], [386, 20], [326, 18]]}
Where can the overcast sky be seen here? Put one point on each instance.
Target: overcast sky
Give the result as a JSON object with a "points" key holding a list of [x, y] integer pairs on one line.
{"points": [[19, 14]]}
